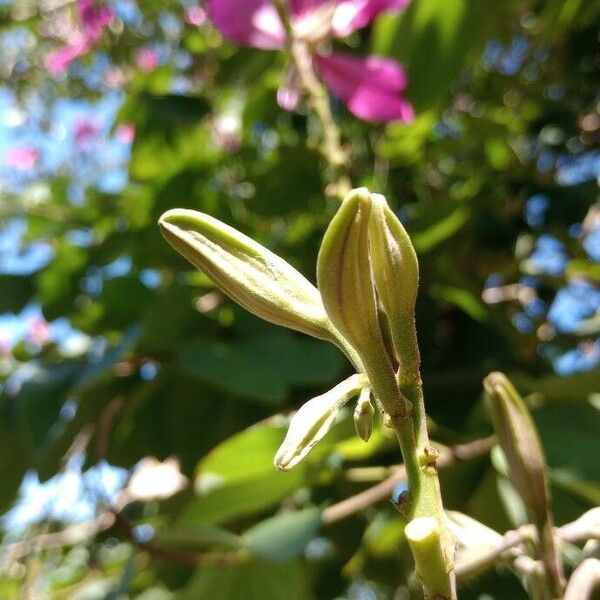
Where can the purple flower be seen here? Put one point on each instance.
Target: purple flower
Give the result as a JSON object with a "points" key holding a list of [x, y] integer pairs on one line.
{"points": [[370, 87], [195, 15], [85, 130], [23, 158], [146, 59], [94, 20]]}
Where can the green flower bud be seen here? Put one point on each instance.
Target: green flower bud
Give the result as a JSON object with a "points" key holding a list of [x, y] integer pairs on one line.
{"points": [[396, 274], [345, 281], [313, 420], [363, 415], [260, 281], [520, 443]]}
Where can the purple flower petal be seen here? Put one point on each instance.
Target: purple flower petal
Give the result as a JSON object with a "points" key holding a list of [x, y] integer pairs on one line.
{"points": [[23, 158], [94, 18], [351, 15], [370, 87], [58, 61], [248, 22]]}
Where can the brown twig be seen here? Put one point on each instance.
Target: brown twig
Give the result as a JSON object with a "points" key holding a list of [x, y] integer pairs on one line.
{"points": [[318, 98], [192, 559], [584, 580], [380, 492]]}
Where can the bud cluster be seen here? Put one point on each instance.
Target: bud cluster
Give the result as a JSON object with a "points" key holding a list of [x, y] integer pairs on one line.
{"points": [[367, 276]]}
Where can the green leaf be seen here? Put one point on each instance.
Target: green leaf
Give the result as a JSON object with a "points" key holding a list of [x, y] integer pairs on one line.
{"points": [[466, 300], [283, 536], [434, 39], [254, 580], [441, 229], [199, 537], [286, 361], [238, 477]]}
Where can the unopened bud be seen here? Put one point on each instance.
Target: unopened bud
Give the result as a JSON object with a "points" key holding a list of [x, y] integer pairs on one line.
{"points": [[396, 274], [520, 443], [345, 281], [313, 420], [363, 415], [260, 281]]}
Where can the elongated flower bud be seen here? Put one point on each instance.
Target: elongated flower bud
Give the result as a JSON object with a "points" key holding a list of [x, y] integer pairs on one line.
{"points": [[363, 415], [519, 440], [521, 445], [346, 284], [313, 420], [260, 281], [396, 274]]}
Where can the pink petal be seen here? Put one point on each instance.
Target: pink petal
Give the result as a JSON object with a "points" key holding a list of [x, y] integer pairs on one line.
{"points": [[23, 158], [248, 22], [195, 15], [351, 15], [370, 87], [58, 61], [302, 7], [125, 133], [288, 93], [146, 59], [94, 17]]}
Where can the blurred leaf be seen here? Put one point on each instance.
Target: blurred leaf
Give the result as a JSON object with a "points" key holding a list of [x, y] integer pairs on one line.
{"points": [[555, 388], [286, 361], [443, 227], [16, 292], [463, 298], [238, 477], [283, 536], [253, 580], [433, 40], [198, 537]]}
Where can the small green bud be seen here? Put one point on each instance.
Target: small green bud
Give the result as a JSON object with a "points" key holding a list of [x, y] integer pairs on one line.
{"points": [[260, 281], [396, 274], [345, 280], [520, 443], [313, 420], [363, 415]]}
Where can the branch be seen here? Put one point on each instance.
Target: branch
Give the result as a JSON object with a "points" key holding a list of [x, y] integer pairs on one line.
{"points": [[584, 580], [584, 528], [383, 490], [192, 559], [511, 540], [318, 98], [66, 537]]}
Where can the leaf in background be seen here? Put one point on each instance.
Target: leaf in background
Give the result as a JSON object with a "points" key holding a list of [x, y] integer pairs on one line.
{"points": [[464, 299], [443, 226], [254, 580], [286, 361], [237, 478], [198, 537], [284, 536], [434, 40], [169, 132]]}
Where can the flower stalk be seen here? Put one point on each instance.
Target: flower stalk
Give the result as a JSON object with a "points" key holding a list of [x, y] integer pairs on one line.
{"points": [[367, 276], [318, 98], [367, 272]]}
